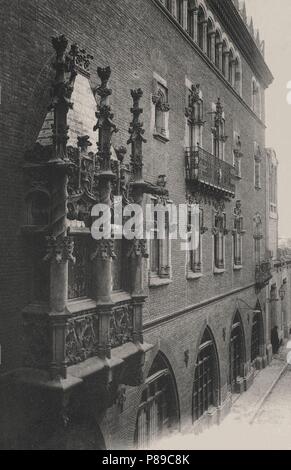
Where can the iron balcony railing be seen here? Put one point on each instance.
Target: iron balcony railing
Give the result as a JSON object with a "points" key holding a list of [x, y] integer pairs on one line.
{"points": [[204, 168], [263, 273]]}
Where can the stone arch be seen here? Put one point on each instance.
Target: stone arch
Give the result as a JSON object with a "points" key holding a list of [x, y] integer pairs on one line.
{"points": [[258, 337], [231, 65], [206, 384], [218, 47], [237, 351], [202, 18], [238, 74], [210, 38], [159, 409]]}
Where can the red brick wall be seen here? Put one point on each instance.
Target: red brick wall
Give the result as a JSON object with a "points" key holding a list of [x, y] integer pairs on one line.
{"points": [[135, 39]]}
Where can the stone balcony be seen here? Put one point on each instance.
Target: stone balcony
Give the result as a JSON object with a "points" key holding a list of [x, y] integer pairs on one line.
{"points": [[207, 171]]}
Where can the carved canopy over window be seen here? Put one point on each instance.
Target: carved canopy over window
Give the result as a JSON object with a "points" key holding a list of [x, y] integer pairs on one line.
{"points": [[219, 231], [238, 231], [162, 107], [218, 130]]}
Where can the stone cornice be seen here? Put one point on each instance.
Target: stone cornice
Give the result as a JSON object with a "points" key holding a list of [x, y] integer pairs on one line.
{"points": [[237, 29]]}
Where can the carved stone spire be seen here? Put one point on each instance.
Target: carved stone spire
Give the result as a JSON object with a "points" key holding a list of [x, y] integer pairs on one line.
{"points": [[61, 93], [105, 123], [136, 139]]}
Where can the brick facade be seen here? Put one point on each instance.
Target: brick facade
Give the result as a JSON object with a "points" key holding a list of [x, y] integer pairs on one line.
{"points": [[137, 39]]}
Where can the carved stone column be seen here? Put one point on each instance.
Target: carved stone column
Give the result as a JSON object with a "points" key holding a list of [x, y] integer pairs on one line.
{"points": [[60, 246], [138, 247], [105, 247]]}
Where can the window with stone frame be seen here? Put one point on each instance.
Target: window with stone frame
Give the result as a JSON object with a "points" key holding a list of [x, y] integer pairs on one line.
{"points": [[237, 154], [81, 273], [256, 97], [219, 231], [160, 256], [179, 10], [258, 236], [202, 29], [196, 230], [161, 110], [273, 187], [237, 234], [218, 130], [120, 266], [257, 166], [194, 113]]}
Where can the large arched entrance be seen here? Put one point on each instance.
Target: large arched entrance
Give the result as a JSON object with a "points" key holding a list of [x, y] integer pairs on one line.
{"points": [[206, 377], [158, 412], [236, 352]]}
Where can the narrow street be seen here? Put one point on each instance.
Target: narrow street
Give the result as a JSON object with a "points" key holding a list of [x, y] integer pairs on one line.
{"points": [[257, 421], [276, 410]]}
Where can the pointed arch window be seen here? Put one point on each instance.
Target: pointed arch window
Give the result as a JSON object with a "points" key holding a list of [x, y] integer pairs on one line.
{"points": [[218, 51], [158, 412], [206, 382], [202, 29], [236, 360]]}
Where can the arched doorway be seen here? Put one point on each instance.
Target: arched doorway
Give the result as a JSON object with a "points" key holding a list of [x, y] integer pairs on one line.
{"points": [[257, 335], [206, 377], [236, 352], [158, 412]]}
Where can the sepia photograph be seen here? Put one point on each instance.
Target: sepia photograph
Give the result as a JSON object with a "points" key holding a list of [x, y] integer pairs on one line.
{"points": [[145, 227]]}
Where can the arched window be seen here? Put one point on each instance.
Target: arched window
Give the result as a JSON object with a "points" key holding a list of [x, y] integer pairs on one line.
{"points": [[190, 17], [158, 410], [80, 273], [218, 50], [206, 377], [201, 28], [237, 76], [256, 97], [236, 352], [179, 11], [231, 67], [257, 335], [225, 59], [169, 5], [210, 40]]}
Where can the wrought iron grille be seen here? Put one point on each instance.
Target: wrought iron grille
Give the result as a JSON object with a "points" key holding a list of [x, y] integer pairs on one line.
{"points": [[255, 348], [203, 391], [206, 169], [236, 356]]}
